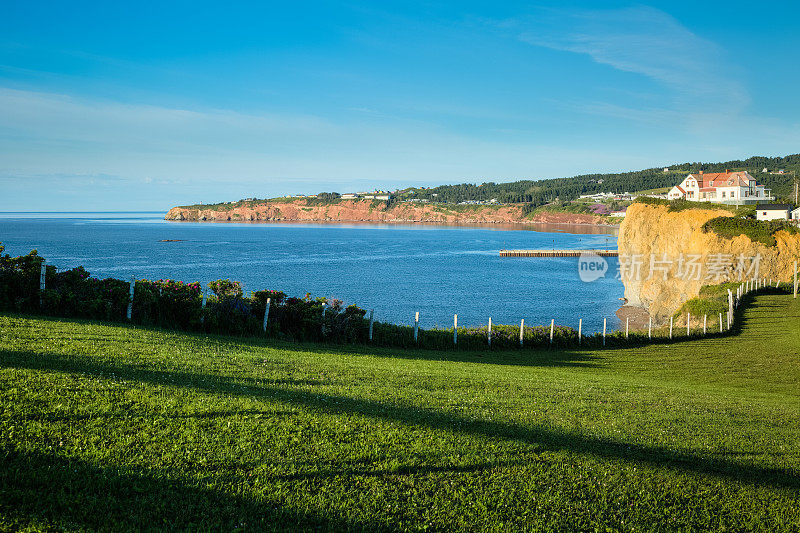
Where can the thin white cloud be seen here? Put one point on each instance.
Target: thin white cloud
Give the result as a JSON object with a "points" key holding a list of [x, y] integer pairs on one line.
{"points": [[59, 135], [646, 41]]}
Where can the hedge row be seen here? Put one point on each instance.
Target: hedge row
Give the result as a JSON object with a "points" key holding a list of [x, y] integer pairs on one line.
{"points": [[176, 305]]}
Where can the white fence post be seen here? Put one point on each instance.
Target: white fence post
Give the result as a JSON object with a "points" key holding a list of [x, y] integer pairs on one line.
{"points": [[371, 315], [705, 321], [650, 329], [130, 297], [688, 320], [416, 326], [489, 333], [627, 321], [720, 322], [266, 312], [42, 282], [455, 330], [795, 280], [521, 330], [552, 325], [604, 331], [670, 327], [729, 320], [580, 330], [202, 307]]}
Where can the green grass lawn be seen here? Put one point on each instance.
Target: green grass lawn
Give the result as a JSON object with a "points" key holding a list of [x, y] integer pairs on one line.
{"points": [[115, 428]]}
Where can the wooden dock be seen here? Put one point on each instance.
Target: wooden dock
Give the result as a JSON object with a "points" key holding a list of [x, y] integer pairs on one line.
{"points": [[557, 253]]}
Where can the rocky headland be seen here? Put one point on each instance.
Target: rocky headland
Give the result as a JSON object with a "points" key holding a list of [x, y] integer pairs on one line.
{"points": [[310, 210], [672, 238]]}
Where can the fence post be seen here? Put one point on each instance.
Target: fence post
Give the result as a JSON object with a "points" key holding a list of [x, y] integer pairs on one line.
{"points": [[521, 330], [580, 331], [455, 330], [416, 326], [627, 320], [650, 329], [604, 331], [202, 307], [670, 327], [130, 298], [720, 322], [729, 320], [552, 325], [489, 333], [795, 279], [688, 320], [371, 314], [730, 301], [42, 282], [266, 312], [705, 321]]}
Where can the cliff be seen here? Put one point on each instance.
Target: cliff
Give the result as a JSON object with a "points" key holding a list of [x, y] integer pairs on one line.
{"points": [[303, 210], [650, 231]]}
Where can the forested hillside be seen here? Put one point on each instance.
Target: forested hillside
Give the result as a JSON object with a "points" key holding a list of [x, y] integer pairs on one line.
{"points": [[544, 191]]}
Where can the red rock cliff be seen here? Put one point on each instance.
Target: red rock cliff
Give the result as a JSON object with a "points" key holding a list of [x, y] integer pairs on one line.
{"points": [[302, 210]]}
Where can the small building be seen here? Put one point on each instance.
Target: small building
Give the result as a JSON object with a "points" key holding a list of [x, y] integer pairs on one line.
{"points": [[773, 212], [796, 215], [349, 196]]}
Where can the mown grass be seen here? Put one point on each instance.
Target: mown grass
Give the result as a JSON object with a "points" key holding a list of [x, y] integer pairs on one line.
{"points": [[117, 428]]}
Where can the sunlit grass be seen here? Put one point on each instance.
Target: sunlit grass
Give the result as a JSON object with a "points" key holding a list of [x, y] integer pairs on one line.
{"points": [[110, 427]]}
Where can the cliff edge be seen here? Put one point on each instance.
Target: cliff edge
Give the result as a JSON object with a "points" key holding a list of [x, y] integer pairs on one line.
{"points": [[676, 257], [309, 210]]}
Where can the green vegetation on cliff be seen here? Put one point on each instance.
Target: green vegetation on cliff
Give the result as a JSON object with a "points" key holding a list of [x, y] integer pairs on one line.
{"points": [[762, 231], [121, 428]]}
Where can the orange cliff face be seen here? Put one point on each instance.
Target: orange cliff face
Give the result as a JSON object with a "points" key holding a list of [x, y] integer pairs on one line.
{"points": [[302, 210]]}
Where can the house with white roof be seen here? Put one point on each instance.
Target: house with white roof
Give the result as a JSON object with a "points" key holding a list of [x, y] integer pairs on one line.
{"points": [[773, 212], [737, 188]]}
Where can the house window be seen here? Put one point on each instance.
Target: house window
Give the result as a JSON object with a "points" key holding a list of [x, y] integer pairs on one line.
{"points": [[723, 194]]}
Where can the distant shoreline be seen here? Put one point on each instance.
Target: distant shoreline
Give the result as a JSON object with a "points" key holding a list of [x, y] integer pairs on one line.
{"points": [[364, 211], [514, 226]]}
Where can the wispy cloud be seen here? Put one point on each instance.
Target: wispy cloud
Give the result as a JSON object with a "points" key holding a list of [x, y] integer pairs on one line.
{"points": [[646, 41], [47, 137]]}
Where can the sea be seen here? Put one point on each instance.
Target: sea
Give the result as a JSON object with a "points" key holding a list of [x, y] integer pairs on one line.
{"points": [[396, 270]]}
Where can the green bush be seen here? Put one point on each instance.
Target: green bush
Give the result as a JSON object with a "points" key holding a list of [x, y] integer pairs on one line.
{"points": [[755, 230], [682, 205]]}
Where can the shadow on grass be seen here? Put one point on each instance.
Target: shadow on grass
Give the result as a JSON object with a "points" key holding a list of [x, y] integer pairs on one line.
{"points": [[45, 489], [542, 437], [538, 356]]}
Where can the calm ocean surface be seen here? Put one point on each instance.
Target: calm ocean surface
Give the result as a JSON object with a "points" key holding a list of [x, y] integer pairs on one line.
{"points": [[394, 269]]}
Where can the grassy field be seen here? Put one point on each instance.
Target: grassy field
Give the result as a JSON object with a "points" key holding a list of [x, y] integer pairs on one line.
{"points": [[116, 428]]}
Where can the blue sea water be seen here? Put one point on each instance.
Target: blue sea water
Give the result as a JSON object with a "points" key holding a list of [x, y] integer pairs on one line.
{"points": [[396, 270]]}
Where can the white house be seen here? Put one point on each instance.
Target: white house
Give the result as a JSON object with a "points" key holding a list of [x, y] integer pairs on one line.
{"points": [[773, 212], [738, 188], [349, 196], [796, 214]]}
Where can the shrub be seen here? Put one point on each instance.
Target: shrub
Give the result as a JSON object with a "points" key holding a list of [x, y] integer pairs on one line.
{"points": [[755, 230], [683, 205]]}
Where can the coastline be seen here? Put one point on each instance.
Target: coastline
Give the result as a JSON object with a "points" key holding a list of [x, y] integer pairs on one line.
{"points": [[366, 212]]}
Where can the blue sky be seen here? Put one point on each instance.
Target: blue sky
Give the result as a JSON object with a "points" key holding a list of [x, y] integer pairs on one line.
{"points": [[145, 105]]}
